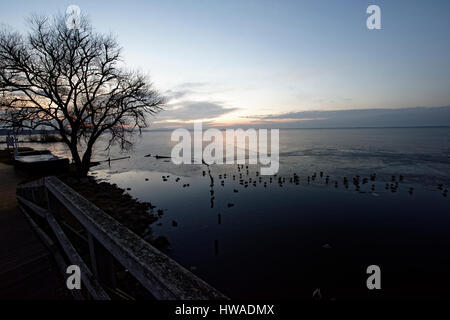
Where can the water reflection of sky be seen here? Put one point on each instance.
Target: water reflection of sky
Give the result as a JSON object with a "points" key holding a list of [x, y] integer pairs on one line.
{"points": [[280, 233], [286, 240], [421, 154]]}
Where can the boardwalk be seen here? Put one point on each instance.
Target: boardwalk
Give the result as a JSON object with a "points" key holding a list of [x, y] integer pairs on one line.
{"points": [[27, 270]]}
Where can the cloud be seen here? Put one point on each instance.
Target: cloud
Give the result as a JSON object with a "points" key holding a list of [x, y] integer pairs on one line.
{"points": [[175, 94], [183, 89], [193, 110], [192, 90], [192, 85], [417, 116]]}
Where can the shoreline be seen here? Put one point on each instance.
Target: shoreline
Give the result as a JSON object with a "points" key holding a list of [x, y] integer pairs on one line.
{"points": [[136, 215]]}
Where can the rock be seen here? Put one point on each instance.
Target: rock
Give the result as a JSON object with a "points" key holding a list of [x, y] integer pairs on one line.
{"points": [[160, 242]]}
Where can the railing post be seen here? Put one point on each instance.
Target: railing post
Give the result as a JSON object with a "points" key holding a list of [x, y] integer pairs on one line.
{"points": [[33, 195], [102, 263], [92, 254], [48, 198]]}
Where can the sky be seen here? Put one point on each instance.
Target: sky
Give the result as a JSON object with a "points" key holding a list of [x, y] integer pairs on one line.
{"points": [[275, 63]]}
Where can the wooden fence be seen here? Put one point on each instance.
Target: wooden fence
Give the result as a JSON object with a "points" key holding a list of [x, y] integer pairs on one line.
{"points": [[43, 201]]}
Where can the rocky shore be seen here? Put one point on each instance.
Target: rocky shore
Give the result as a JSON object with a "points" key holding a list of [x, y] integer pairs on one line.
{"points": [[136, 215]]}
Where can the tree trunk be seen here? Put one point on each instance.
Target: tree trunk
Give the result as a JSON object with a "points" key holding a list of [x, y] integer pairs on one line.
{"points": [[83, 170], [85, 162], [81, 165]]}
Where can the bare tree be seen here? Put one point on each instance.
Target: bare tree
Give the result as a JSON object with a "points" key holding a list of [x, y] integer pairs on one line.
{"points": [[72, 80]]}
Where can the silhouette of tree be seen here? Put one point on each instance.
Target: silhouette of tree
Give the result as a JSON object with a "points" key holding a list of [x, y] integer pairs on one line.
{"points": [[74, 81]]}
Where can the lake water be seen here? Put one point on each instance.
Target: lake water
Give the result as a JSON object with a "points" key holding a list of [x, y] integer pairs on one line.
{"points": [[284, 240]]}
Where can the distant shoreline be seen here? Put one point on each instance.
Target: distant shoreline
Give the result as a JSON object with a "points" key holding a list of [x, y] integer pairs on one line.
{"points": [[311, 128], [3, 132]]}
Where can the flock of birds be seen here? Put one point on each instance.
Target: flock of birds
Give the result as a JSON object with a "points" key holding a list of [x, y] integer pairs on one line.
{"points": [[245, 178]]}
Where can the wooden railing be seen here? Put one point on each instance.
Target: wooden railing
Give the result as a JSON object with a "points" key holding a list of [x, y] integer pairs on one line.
{"points": [[108, 241]]}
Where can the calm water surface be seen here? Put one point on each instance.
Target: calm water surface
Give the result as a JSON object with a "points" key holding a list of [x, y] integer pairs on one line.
{"points": [[285, 240]]}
